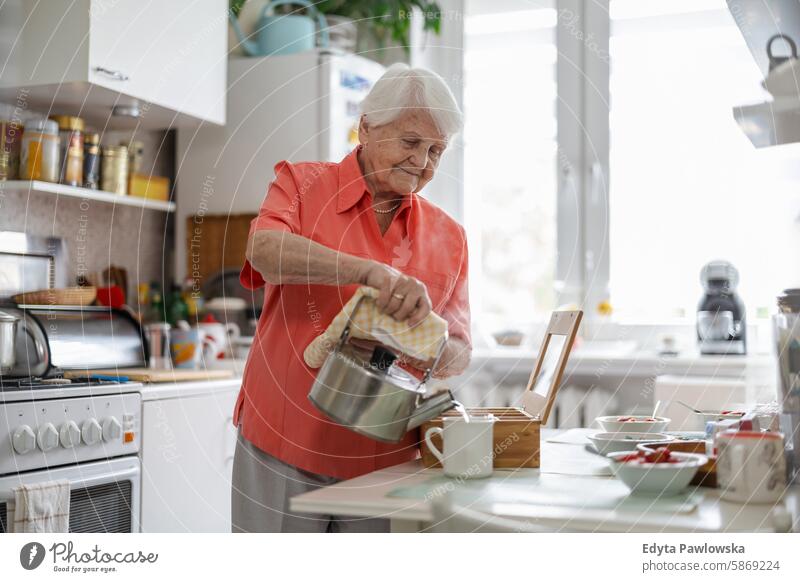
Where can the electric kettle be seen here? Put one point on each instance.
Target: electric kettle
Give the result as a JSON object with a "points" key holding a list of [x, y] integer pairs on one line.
{"points": [[370, 394]]}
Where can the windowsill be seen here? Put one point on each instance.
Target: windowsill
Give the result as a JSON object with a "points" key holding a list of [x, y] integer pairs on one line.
{"points": [[607, 338], [637, 363]]}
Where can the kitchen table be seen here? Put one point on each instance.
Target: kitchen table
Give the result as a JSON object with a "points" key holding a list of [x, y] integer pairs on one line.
{"points": [[565, 467]]}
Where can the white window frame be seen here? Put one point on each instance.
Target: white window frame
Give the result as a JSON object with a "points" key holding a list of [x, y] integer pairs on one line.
{"points": [[583, 224], [582, 77]]}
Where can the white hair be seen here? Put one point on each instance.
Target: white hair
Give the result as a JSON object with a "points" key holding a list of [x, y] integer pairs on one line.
{"points": [[401, 88]]}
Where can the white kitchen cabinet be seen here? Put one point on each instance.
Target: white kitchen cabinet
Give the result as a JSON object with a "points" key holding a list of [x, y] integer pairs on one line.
{"points": [[188, 442], [84, 57]]}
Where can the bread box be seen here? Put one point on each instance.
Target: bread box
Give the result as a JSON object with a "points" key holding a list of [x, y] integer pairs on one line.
{"points": [[517, 429]]}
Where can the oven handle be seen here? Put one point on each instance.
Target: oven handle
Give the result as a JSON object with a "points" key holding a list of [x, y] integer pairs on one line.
{"points": [[7, 493]]}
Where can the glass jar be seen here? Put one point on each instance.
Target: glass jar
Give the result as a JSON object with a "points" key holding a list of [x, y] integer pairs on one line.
{"points": [[135, 158], [136, 155], [71, 144], [39, 150], [114, 171], [91, 161], [10, 138]]}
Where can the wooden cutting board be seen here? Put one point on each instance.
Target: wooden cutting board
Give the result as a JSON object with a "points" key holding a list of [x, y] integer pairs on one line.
{"points": [[215, 242], [148, 375]]}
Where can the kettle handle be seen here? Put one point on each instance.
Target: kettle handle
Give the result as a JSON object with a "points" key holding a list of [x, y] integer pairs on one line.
{"points": [[439, 352], [792, 48], [346, 334], [269, 10], [346, 330]]}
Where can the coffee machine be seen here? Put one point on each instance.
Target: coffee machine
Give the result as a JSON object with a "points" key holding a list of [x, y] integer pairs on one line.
{"points": [[721, 326]]}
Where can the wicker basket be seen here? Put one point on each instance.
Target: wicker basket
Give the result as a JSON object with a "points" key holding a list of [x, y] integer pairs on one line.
{"points": [[80, 296]]}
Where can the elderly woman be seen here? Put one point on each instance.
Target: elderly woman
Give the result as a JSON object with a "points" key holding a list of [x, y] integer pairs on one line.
{"points": [[323, 230]]}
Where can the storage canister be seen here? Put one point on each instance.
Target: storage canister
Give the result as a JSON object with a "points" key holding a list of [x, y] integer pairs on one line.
{"points": [[114, 170], [135, 156], [39, 151], [786, 325], [91, 161], [10, 138], [71, 139]]}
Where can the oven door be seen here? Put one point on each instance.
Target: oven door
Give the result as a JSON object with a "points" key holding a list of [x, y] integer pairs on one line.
{"points": [[104, 497]]}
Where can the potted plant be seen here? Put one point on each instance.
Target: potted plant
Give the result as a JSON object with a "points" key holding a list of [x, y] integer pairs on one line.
{"points": [[369, 27], [386, 22]]}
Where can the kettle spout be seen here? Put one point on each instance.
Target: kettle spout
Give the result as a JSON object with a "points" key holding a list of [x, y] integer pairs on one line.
{"points": [[430, 408], [249, 47]]}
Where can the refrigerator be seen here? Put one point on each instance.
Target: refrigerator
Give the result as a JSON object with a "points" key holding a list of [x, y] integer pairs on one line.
{"points": [[299, 107]]}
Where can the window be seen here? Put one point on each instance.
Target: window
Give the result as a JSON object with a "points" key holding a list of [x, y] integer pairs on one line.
{"points": [[560, 95], [510, 158], [686, 184]]}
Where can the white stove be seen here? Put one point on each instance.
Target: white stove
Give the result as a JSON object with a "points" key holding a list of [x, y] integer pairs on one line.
{"points": [[88, 432]]}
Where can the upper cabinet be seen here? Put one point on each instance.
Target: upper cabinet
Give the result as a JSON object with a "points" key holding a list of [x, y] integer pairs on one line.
{"points": [[168, 59]]}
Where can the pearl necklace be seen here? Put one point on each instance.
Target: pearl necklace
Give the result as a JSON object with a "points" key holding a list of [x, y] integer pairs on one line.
{"points": [[388, 210]]}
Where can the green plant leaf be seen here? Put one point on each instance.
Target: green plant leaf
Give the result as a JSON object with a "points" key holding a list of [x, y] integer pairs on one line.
{"points": [[387, 19]]}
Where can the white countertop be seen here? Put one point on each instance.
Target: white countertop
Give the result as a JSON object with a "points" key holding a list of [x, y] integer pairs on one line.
{"points": [[366, 496], [162, 390], [622, 363]]}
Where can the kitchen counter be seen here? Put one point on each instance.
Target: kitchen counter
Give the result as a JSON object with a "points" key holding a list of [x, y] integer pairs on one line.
{"points": [[161, 390], [562, 465], [640, 363], [188, 442]]}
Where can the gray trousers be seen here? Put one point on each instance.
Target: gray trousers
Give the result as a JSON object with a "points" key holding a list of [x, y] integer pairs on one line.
{"points": [[262, 486]]}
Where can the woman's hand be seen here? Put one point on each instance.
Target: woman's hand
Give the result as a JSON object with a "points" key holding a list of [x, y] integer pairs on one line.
{"points": [[401, 296]]}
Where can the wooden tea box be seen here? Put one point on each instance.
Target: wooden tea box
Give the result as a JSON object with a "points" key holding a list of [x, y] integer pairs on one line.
{"points": [[517, 430], [516, 438]]}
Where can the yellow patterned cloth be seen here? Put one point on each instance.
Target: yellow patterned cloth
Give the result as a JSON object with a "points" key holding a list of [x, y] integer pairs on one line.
{"points": [[420, 342]]}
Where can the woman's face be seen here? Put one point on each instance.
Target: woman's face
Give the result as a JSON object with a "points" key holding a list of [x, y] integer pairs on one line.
{"points": [[401, 156]]}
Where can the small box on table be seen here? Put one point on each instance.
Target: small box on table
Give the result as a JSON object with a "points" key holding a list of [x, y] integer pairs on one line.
{"points": [[517, 430]]}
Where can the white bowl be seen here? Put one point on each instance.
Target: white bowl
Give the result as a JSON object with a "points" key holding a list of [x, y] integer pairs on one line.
{"points": [[613, 442], [613, 424], [715, 416], [657, 478]]}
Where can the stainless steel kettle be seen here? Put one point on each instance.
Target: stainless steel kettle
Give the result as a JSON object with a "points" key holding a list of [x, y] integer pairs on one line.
{"points": [[371, 395], [8, 334]]}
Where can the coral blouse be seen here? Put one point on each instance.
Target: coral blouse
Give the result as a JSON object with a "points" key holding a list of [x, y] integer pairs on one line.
{"points": [[329, 203]]}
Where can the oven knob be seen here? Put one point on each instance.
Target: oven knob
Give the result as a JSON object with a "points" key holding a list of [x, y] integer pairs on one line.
{"points": [[91, 432], [70, 434], [24, 440], [112, 429], [47, 438]]}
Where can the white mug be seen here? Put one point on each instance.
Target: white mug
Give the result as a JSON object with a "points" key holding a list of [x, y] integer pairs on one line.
{"points": [[751, 467], [468, 446]]}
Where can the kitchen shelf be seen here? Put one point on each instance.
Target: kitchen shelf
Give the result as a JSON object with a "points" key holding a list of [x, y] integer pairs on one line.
{"points": [[85, 193], [771, 123]]}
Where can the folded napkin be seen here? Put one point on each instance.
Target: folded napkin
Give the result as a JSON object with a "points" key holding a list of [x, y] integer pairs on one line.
{"points": [[42, 507], [421, 342]]}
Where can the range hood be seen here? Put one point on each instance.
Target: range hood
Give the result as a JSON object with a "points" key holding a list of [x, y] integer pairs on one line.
{"points": [[771, 29]]}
